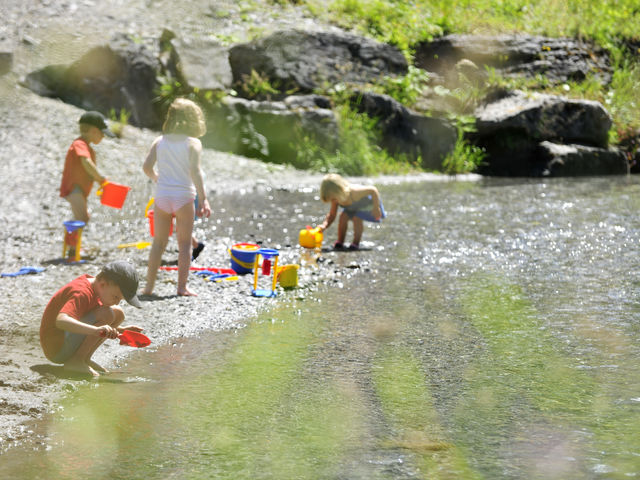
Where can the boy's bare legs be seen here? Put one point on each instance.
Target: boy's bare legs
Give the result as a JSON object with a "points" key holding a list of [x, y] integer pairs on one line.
{"points": [[81, 361], [184, 232], [78, 206], [162, 224], [358, 228], [343, 223]]}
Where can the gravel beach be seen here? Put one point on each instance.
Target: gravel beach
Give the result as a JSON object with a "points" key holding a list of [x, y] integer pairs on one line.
{"points": [[35, 133]]}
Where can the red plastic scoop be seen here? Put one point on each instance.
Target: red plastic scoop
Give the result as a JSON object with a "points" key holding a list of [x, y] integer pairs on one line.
{"points": [[133, 339]]}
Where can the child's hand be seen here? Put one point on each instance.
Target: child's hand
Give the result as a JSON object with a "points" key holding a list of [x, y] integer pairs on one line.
{"points": [[107, 331], [204, 210], [376, 212]]}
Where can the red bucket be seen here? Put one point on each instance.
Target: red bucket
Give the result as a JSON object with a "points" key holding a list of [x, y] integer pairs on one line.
{"points": [[150, 217], [113, 194]]}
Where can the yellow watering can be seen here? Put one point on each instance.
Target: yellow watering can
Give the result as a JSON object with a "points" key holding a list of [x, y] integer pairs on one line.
{"points": [[310, 237]]}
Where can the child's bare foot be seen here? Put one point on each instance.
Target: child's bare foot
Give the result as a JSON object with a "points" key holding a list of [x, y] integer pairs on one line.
{"points": [[97, 367], [186, 293], [80, 368]]}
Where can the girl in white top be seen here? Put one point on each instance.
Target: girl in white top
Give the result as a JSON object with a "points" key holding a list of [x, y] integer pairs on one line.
{"points": [[179, 177]]}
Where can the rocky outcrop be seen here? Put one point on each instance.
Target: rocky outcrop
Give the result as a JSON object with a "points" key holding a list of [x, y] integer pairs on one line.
{"points": [[409, 133], [512, 127], [300, 62], [121, 76], [580, 160], [199, 63], [271, 130], [558, 59], [546, 117], [522, 134]]}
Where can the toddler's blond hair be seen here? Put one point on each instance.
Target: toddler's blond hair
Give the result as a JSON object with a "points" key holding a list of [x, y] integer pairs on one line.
{"points": [[334, 186], [185, 117]]}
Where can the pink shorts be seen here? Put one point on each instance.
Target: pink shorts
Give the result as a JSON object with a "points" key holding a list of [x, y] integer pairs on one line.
{"points": [[172, 204]]}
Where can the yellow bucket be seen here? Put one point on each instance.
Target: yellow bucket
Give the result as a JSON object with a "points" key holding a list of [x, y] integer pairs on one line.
{"points": [[288, 276]]}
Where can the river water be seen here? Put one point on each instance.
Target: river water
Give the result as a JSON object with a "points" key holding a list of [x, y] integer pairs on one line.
{"points": [[490, 330]]}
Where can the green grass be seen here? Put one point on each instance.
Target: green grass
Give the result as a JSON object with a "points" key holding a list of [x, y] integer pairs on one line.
{"points": [[358, 152], [406, 23], [612, 24]]}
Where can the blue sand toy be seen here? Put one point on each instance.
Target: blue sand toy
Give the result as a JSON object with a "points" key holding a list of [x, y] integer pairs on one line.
{"points": [[23, 271], [72, 240], [267, 254]]}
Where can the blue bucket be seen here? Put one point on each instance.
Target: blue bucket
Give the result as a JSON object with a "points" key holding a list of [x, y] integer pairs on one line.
{"points": [[243, 257]]}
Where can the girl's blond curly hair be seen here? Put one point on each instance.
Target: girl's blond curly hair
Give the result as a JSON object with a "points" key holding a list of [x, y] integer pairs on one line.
{"points": [[333, 186], [185, 117]]}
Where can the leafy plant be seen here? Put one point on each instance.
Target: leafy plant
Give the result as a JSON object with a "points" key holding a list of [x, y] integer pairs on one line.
{"points": [[257, 86], [466, 157], [409, 88], [119, 120], [358, 152]]}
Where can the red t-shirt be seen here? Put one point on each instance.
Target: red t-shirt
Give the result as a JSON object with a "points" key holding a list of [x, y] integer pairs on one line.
{"points": [[76, 299], [74, 173]]}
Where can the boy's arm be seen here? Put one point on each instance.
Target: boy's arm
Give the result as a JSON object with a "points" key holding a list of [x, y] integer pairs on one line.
{"points": [[133, 328], [92, 170], [150, 162], [195, 151], [331, 216], [70, 324]]}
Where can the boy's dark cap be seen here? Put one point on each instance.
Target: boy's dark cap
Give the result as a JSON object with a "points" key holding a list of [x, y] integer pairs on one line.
{"points": [[97, 120], [125, 276]]}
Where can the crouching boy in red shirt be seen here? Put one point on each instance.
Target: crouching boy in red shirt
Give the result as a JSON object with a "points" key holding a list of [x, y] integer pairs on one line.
{"points": [[85, 312]]}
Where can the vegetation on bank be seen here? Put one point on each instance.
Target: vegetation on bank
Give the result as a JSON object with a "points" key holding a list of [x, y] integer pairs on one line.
{"points": [[610, 23]]}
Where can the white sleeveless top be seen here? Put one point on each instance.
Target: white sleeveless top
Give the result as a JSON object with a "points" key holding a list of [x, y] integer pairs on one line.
{"points": [[174, 177]]}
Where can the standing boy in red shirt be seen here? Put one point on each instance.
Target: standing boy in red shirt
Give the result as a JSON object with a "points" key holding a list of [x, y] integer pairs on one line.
{"points": [[80, 170]]}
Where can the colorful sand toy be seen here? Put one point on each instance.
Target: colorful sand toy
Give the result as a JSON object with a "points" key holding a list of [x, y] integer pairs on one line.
{"points": [[138, 245], [267, 255], [149, 214], [112, 194], [23, 271], [72, 240], [288, 275], [310, 237], [243, 257]]}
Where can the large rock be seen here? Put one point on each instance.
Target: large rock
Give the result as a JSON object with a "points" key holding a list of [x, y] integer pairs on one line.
{"points": [[580, 160], [121, 76], [511, 126], [546, 117], [271, 130], [558, 59], [298, 61], [200, 63], [406, 132]]}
